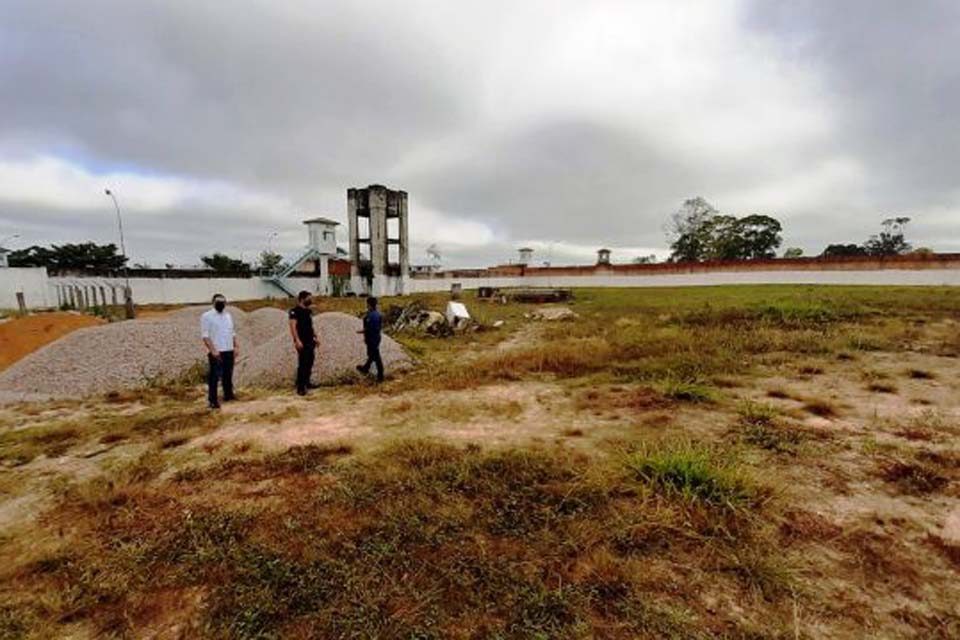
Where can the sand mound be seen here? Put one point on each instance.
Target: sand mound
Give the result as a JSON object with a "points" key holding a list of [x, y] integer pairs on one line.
{"points": [[138, 353]]}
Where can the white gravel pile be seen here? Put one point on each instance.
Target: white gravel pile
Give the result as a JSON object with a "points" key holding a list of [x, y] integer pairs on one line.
{"points": [[263, 324], [341, 349], [125, 355]]}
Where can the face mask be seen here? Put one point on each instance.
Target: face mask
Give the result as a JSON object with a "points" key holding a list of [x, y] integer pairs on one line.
{"points": [[308, 303], [219, 305]]}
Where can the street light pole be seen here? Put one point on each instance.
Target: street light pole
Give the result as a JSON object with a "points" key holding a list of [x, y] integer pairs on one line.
{"points": [[127, 292]]}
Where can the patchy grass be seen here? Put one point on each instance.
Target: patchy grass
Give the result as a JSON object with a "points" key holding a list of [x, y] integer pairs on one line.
{"points": [[422, 540], [599, 529], [164, 420], [920, 374], [912, 477]]}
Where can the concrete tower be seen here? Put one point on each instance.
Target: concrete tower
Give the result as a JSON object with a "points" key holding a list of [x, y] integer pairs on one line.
{"points": [[379, 247]]}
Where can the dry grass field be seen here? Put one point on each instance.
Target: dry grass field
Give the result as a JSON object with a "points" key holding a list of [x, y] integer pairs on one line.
{"points": [[729, 462]]}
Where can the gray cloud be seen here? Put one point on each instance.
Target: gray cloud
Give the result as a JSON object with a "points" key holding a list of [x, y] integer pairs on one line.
{"points": [[891, 67], [579, 124]]}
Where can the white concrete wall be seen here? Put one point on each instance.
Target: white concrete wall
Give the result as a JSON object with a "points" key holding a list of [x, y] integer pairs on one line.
{"points": [[41, 291], [928, 277], [176, 290], [31, 281]]}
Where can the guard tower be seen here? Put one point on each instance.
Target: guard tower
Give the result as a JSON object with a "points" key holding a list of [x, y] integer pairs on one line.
{"points": [[379, 255], [323, 235], [526, 256], [603, 257]]}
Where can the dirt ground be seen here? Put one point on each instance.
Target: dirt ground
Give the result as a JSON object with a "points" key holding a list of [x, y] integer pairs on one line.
{"points": [[858, 447], [22, 336]]}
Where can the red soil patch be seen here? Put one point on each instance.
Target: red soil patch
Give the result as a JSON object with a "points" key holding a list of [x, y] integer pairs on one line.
{"points": [[22, 336]]}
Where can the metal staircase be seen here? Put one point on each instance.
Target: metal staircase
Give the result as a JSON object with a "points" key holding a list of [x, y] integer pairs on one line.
{"points": [[279, 278]]}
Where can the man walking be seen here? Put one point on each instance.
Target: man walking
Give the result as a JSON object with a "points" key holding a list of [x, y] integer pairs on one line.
{"points": [[216, 330], [372, 324], [304, 340]]}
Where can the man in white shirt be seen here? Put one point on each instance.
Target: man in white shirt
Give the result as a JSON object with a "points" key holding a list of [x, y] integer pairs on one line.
{"points": [[216, 330]]}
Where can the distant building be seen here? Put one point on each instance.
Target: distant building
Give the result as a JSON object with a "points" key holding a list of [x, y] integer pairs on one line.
{"points": [[423, 269], [603, 256], [4, 258], [526, 256]]}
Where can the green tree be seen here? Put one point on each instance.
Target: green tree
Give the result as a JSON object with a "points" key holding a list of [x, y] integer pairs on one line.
{"points": [[842, 250], [700, 232], [890, 241], [688, 228], [270, 262], [721, 239], [759, 236], [222, 263], [793, 252], [62, 257]]}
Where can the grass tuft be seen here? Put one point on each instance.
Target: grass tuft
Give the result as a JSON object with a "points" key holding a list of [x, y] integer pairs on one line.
{"points": [[820, 408], [695, 474], [758, 425], [687, 391]]}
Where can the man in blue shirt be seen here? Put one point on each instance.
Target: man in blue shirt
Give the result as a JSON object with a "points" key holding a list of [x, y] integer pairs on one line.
{"points": [[372, 325]]}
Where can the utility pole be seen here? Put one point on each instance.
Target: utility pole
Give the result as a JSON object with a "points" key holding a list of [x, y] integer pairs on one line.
{"points": [[127, 292]]}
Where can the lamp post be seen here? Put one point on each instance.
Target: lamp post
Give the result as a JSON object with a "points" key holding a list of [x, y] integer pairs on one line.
{"points": [[127, 292]]}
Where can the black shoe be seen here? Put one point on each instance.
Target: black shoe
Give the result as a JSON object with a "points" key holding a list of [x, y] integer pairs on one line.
{"points": [[301, 392], [213, 406], [313, 386], [229, 398], [362, 370]]}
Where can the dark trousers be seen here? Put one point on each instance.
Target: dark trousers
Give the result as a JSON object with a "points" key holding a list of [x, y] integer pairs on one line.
{"points": [[220, 369], [373, 357], [305, 359]]}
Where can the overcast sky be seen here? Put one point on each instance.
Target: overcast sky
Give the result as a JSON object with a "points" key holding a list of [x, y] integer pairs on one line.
{"points": [[563, 125]]}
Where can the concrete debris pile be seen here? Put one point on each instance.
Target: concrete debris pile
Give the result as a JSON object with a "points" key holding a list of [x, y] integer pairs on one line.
{"points": [[553, 314], [537, 295], [138, 353], [416, 317]]}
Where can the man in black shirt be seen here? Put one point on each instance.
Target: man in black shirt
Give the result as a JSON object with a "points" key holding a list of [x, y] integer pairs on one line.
{"points": [[304, 339], [372, 325]]}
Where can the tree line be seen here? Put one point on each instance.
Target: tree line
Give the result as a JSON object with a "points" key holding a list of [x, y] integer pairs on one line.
{"points": [[699, 232], [90, 256]]}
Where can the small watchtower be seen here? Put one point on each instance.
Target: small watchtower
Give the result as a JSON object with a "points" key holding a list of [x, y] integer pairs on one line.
{"points": [[323, 235]]}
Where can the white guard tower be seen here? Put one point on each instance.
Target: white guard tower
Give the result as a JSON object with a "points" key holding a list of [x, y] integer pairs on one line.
{"points": [[323, 244]]}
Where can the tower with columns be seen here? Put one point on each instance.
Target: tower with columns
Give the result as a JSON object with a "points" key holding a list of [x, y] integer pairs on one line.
{"points": [[379, 241]]}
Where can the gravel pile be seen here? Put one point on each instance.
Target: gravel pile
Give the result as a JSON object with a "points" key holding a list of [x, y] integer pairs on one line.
{"points": [[124, 355], [274, 363]]}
